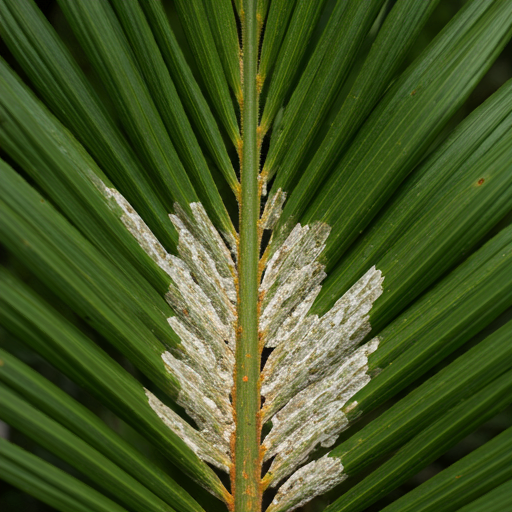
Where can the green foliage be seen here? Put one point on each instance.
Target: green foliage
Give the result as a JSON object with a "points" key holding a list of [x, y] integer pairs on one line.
{"points": [[312, 104]]}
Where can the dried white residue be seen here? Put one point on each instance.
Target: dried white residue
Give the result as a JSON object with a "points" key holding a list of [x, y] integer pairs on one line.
{"points": [[202, 293], [309, 348], [137, 227], [314, 416], [273, 210], [318, 363], [292, 278], [311, 480], [316, 366], [188, 434], [203, 296]]}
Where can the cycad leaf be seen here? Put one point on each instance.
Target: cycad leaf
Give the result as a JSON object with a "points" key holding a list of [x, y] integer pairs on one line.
{"points": [[194, 19], [463, 208], [63, 345], [394, 39], [223, 24], [262, 7], [275, 30], [82, 277], [131, 232], [57, 405], [49, 484], [70, 448], [321, 80], [65, 89], [469, 142], [298, 34], [188, 89], [168, 103], [475, 474], [72, 180], [458, 307], [100, 34], [406, 121], [428, 445], [458, 381], [496, 500]]}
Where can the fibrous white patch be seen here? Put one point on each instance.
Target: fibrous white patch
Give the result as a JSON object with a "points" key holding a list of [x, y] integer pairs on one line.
{"points": [[311, 348], [315, 415], [202, 293], [316, 366], [311, 480], [291, 275], [194, 439], [137, 227], [273, 210]]}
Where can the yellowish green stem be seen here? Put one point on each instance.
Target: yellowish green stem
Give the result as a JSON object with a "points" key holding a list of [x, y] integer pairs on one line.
{"points": [[246, 472]]}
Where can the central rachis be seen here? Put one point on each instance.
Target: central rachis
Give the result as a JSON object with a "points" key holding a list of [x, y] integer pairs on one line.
{"points": [[246, 456]]}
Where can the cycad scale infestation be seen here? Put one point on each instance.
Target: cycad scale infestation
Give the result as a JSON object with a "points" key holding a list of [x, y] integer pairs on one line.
{"points": [[316, 364]]}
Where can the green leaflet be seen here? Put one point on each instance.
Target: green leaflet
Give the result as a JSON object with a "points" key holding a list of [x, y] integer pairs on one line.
{"points": [[469, 142], [99, 468], [194, 20], [351, 149], [188, 89], [428, 445], [52, 401], [42, 328], [397, 35], [262, 7], [474, 475], [65, 262], [447, 316], [223, 25], [298, 34], [238, 6], [101, 36], [170, 108], [322, 79], [275, 30], [65, 89], [459, 380], [71, 179], [497, 500], [453, 216], [406, 120], [49, 484]]}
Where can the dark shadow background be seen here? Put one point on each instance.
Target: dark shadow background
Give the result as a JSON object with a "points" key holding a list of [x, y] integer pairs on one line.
{"points": [[12, 500]]}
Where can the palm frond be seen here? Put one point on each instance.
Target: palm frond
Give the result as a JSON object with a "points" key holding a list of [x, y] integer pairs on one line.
{"points": [[366, 279]]}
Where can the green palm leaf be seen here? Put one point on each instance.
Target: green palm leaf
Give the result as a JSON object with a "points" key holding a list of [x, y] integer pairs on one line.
{"points": [[349, 326]]}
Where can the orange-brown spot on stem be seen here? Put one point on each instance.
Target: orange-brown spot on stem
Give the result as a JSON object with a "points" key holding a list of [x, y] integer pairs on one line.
{"points": [[259, 133], [245, 378]]}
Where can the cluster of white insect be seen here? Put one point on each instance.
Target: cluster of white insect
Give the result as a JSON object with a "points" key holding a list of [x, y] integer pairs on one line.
{"points": [[316, 366]]}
